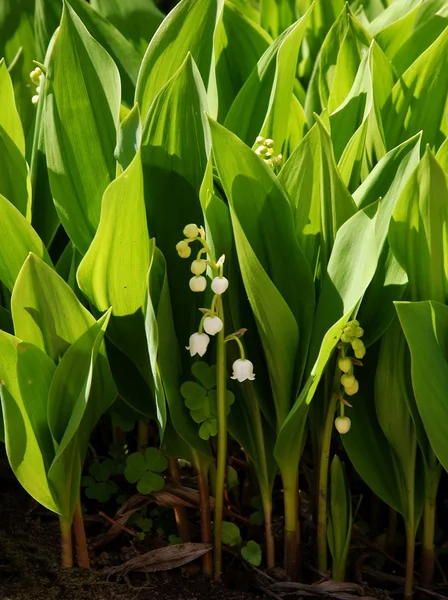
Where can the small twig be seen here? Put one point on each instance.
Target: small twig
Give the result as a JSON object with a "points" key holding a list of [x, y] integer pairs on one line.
{"points": [[119, 525], [442, 572], [430, 592], [375, 547]]}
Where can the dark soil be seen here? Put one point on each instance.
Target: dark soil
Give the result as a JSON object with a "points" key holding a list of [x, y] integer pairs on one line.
{"points": [[29, 564]]}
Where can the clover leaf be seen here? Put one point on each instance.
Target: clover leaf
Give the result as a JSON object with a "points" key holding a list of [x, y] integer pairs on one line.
{"points": [[230, 534], [144, 468], [202, 399], [205, 374], [252, 553], [97, 484]]}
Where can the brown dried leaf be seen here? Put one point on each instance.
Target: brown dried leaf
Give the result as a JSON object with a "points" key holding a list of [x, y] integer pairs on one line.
{"points": [[162, 559]]}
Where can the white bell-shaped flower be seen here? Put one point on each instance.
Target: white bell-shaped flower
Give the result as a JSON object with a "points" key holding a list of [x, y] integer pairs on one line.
{"points": [[198, 344], [342, 424], [243, 369], [198, 283], [213, 325], [198, 267], [220, 284], [191, 231]]}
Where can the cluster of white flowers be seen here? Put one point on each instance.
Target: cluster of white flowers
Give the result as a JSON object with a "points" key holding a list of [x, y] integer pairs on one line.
{"points": [[350, 337], [211, 323], [35, 76], [265, 149]]}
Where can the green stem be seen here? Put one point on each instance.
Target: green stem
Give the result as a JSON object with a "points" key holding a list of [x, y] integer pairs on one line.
{"points": [[65, 527], [338, 569], [82, 552], [432, 478], [410, 555], [204, 505], [222, 442], [322, 497], [292, 531]]}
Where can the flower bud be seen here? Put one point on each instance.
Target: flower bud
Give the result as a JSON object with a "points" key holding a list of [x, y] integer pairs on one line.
{"points": [[358, 348], [191, 231], [345, 338], [345, 364], [183, 249], [35, 75], [260, 139], [220, 284], [243, 369], [342, 424], [198, 283], [261, 150], [269, 143], [348, 380], [198, 344], [353, 389], [35, 99], [213, 325], [198, 267], [359, 332], [349, 331]]}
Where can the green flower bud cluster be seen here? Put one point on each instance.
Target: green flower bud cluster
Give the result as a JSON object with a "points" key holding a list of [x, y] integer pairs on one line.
{"points": [[265, 150], [35, 76], [350, 337]]}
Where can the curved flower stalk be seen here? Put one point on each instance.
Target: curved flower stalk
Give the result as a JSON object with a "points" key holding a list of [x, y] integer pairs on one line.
{"points": [[212, 324], [345, 384]]}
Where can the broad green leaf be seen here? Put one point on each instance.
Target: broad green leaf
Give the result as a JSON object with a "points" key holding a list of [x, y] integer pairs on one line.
{"points": [[442, 156], [45, 219], [405, 113], [351, 267], [323, 16], [263, 104], [137, 20], [392, 388], [350, 270], [425, 325], [386, 181], [47, 15], [17, 240], [356, 125], [271, 262], [239, 45], [418, 231], [14, 177], [129, 137], [26, 373], [120, 49], [82, 389], [45, 310], [405, 39], [367, 446], [321, 203], [81, 118], [277, 15], [252, 553], [17, 46], [189, 28], [246, 421], [113, 272], [393, 13], [339, 518], [163, 348], [175, 148]]}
